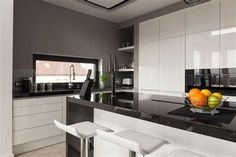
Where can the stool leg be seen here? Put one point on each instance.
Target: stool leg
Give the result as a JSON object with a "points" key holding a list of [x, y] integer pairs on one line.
{"points": [[82, 147], [132, 154], [86, 147]]}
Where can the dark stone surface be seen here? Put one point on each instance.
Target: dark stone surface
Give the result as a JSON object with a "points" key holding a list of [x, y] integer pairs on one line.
{"points": [[157, 109]]}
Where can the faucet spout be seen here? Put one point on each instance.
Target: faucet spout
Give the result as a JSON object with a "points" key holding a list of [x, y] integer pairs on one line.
{"points": [[70, 85]]}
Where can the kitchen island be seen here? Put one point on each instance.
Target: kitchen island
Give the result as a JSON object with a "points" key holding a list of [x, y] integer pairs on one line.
{"points": [[162, 116]]}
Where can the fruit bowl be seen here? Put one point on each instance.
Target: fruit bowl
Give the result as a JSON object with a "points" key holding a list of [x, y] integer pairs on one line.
{"points": [[205, 109]]}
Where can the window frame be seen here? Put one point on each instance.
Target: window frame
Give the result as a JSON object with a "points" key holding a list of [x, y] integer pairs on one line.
{"points": [[46, 57]]}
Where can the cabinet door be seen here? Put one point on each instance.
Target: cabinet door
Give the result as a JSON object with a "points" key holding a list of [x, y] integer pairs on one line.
{"points": [[228, 47], [172, 25], [148, 31], [203, 17], [202, 50], [172, 64], [228, 13], [148, 66]]}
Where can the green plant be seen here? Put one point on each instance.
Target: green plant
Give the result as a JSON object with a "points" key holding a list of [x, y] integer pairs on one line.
{"points": [[103, 77]]}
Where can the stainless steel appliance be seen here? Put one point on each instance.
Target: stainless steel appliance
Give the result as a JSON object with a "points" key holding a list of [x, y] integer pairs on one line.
{"points": [[127, 82]]}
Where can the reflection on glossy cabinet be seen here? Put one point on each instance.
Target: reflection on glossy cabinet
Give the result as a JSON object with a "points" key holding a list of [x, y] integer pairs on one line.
{"points": [[148, 66], [203, 17], [172, 64], [202, 50], [148, 31], [172, 25], [228, 47], [228, 13]]}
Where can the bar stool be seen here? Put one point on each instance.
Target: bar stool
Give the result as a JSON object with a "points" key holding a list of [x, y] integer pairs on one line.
{"points": [[134, 141], [184, 153], [84, 131]]}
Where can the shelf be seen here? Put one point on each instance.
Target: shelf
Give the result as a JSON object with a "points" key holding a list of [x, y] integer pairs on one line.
{"points": [[126, 70], [127, 49]]}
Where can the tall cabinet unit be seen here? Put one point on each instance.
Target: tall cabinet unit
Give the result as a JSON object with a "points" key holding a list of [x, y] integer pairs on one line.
{"points": [[202, 41], [148, 56], [227, 34], [172, 53]]}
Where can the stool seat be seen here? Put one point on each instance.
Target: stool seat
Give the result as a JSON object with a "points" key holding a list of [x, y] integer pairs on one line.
{"points": [[134, 141], [84, 131], [148, 143], [88, 129], [184, 153]]}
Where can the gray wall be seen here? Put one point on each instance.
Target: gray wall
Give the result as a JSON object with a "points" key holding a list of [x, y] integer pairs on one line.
{"points": [[40, 27]]}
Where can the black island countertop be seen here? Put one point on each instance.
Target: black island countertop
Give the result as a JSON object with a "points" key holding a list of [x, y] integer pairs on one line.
{"points": [[165, 110]]}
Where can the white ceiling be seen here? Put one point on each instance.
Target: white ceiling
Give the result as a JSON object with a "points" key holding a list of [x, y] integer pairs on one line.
{"points": [[127, 12]]}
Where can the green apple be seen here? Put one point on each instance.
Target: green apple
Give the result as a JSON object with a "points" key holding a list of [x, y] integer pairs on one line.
{"points": [[213, 101]]}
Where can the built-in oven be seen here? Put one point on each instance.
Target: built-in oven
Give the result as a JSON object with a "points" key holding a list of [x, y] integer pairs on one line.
{"points": [[220, 80]]}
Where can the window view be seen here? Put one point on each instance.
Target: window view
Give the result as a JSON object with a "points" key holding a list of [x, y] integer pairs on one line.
{"points": [[59, 72]]}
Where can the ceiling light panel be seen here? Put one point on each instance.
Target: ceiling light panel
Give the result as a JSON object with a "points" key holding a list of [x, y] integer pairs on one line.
{"points": [[107, 4]]}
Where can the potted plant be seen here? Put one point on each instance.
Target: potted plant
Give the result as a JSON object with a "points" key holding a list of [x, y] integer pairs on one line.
{"points": [[103, 78]]}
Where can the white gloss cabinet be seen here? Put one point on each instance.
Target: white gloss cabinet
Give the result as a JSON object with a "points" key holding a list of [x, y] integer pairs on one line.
{"points": [[172, 64], [203, 17], [172, 25], [228, 47], [202, 50], [36, 115], [148, 55], [148, 67], [148, 31], [228, 13]]}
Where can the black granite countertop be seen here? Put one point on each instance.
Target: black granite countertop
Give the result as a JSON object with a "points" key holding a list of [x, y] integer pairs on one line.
{"points": [[166, 110], [18, 94]]}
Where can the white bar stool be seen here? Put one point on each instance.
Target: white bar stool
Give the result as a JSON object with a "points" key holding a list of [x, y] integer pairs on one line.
{"points": [[134, 141], [184, 153], [84, 131]]}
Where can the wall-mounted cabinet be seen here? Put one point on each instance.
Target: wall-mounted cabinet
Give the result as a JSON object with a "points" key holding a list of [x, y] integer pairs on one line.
{"points": [[148, 67], [172, 25], [228, 13], [203, 17], [228, 48], [149, 31], [202, 50], [148, 55], [200, 37], [171, 64]]}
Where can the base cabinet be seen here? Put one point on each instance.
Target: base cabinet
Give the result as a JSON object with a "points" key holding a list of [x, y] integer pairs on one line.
{"points": [[33, 125]]}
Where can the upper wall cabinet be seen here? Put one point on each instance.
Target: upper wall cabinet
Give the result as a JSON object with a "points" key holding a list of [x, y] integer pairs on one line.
{"points": [[228, 13], [172, 25], [203, 17], [148, 31], [202, 50], [228, 47], [172, 64]]}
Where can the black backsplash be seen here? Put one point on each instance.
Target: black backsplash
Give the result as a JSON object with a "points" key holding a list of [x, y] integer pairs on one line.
{"points": [[218, 80]]}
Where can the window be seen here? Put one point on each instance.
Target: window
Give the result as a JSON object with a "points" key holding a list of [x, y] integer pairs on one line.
{"points": [[56, 69]]}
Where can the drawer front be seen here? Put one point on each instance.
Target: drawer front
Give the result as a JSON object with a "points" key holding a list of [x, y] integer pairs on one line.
{"points": [[29, 135], [36, 101], [31, 121], [29, 110]]}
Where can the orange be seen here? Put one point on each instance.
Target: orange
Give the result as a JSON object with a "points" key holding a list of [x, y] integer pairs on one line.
{"points": [[199, 100], [206, 92], [192, 92]]}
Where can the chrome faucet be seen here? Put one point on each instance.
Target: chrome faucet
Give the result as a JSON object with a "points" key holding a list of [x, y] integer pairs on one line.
{"points": [[70, 85]]}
